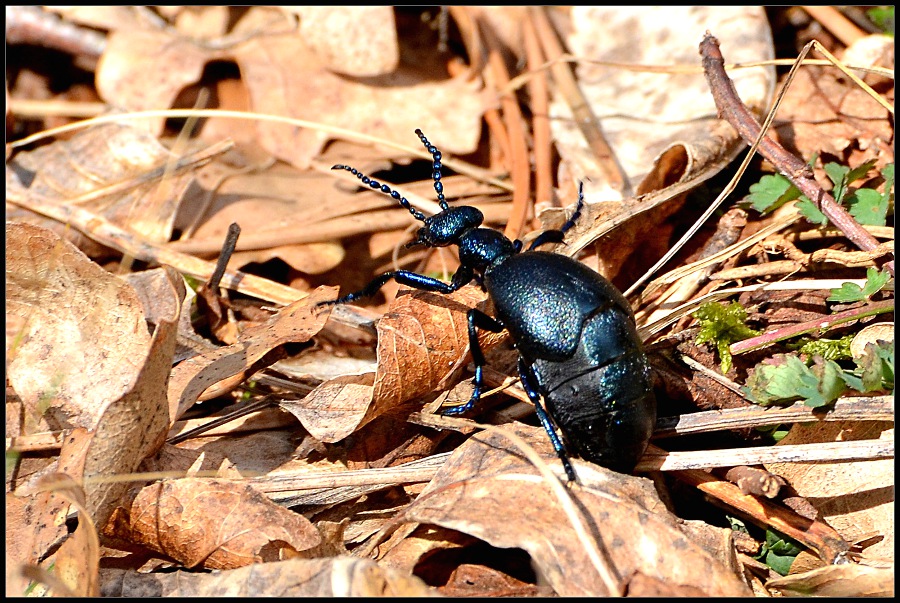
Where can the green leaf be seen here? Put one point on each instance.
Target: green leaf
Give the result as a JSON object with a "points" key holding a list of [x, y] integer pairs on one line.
{"points": [[809, 211], [722, 325], [851, 292], [779, 552], [860, 171], [771, 192], [883, 18], [785, 378], [868, 206], [837, 173], [831, 383]]}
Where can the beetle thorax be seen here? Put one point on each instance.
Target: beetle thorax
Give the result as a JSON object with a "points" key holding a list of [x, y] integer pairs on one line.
{"points": [[483, 248]]}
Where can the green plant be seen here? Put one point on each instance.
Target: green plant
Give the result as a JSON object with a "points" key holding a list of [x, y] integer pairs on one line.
{"points": [[866, 205], [883, 18], [722, 325], [784, 378], [851, 292], [778, 552]]}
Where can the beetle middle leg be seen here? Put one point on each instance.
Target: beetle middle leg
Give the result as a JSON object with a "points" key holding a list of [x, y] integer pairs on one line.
{"points": [[477, 320]]}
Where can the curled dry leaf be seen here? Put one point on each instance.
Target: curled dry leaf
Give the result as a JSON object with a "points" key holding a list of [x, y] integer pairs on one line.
{"points": [[84, 336], [214, 523], [36, 525], [420, 338], [77, 561], [487, 490], [342, 576], [662, 127], [644, 115], [295, 323]]}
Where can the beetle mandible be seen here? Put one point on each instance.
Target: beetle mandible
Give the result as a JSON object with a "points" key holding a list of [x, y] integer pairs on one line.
{"points": [[574, 331]]}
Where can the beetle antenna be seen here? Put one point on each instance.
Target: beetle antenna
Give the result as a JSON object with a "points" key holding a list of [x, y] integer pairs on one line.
{"points": [[384, 188], [436, 169]]}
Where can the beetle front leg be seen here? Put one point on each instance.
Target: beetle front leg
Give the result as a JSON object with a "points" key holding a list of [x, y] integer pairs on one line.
{"points": [[476, 320], [404, 277], [526, 376]]}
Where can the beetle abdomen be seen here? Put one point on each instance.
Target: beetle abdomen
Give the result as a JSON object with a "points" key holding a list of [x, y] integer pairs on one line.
{"points": [[602, 397]]}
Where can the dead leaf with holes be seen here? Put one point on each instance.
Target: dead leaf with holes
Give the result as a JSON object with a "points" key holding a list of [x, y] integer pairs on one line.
{"points": [[488, 490], [420, 338], [216, 524], [148, 68]]}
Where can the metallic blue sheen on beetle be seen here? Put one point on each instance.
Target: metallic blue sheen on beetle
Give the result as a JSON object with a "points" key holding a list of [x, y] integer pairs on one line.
{"points": [[574, 331]]}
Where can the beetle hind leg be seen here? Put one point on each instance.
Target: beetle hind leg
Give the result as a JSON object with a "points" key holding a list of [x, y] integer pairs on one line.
{"points": [[526, 376]]}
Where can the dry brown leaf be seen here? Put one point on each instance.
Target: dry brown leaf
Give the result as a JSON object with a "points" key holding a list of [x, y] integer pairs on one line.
{"points": [[855, 498], [86, 339], [295, 323], [114, 170], [39, 511], [147, 69], [270, 206], [485, 489], [419, 339], [102, 17], [77, 561], [35, 524], [342, 576], [214, 523]]}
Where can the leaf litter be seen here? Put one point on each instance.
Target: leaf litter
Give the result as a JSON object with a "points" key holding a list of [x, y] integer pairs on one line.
{"points": [[92, 359]]}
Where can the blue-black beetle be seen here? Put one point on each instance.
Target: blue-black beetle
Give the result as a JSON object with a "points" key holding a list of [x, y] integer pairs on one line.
{"points": [[574, 331]]}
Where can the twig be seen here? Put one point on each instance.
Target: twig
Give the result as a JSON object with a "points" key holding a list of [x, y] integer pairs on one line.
{"points": [[461, 167], [34, 25], [736, 113], [820, 324], [815, 534], [105, 232], [854, 450], [849, 408]]}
